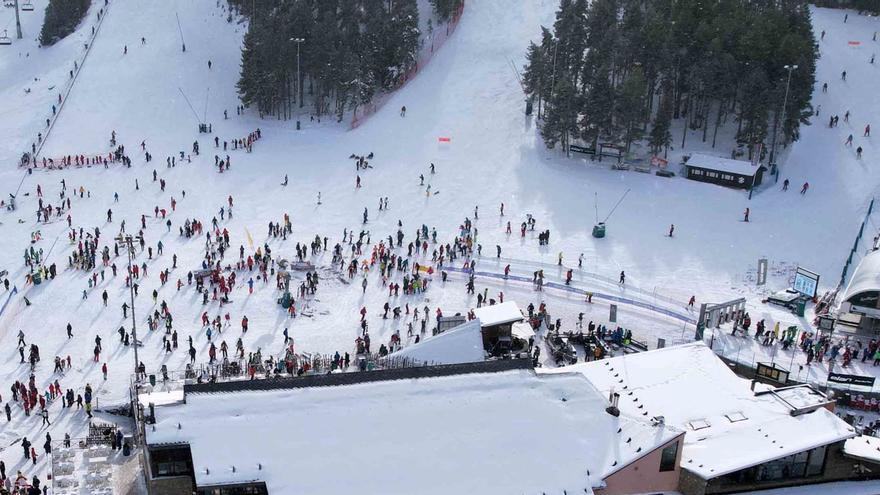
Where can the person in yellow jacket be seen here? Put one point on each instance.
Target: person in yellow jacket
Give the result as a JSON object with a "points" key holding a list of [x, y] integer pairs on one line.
{"points": [[775, 331]]}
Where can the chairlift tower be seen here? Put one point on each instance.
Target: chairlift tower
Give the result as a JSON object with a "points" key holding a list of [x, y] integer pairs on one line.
{"points": [[17, 21]]}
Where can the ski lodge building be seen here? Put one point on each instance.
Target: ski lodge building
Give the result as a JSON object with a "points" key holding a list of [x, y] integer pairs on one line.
{"points": [[674, 419], [726, 172], [493, 427], [738, 435], [860, 306]]}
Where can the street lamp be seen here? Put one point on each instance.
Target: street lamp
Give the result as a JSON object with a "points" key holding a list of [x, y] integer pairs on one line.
{"points": [[298, 42], [789, 68], [127, 241]]}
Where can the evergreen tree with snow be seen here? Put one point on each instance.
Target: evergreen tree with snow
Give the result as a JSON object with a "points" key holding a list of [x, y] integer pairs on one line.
{"points": [[62, 18]]}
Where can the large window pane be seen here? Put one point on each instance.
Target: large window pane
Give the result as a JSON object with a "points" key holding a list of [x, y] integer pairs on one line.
{"points": [[667, 457], [816, 464]]}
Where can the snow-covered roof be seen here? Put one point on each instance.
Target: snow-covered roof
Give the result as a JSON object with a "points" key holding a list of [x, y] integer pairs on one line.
{"points": [[499, 314], [722, 164], [863, 447], [728, 427], [866, 277], [462, 344], [439, 435], [161, 398]]}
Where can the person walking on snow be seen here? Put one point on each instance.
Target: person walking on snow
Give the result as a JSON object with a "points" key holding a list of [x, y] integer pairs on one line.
{"points": [[746, 215]]}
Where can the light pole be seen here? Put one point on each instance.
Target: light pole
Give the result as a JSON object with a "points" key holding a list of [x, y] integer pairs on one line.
{"points": [[789, 68], [298, 42], [127, 241]]}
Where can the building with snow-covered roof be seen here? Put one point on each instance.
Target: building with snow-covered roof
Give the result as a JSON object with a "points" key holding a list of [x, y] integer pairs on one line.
{"points": [[497, 322], [490, 428], [738, 435], [462, 344], [723, 171], [860, 306]]}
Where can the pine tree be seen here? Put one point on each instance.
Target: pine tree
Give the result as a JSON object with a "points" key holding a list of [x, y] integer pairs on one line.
{"points": [[630, 107], [62, 18], [561, 113], [445, 8], [661, 136]]}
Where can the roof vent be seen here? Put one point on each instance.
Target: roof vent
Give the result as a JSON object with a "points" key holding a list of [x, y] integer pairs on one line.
{"points": [[612, 409]]}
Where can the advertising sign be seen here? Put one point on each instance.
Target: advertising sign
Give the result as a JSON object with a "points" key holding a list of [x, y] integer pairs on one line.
{"points": [[806, 282]]}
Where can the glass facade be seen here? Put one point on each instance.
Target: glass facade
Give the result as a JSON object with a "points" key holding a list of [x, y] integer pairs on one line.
{"points": [[256, 488], [801, 465]]}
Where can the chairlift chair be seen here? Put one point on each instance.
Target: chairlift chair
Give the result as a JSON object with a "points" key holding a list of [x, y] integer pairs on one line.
{"points": [[5, 40], [27, 6]]}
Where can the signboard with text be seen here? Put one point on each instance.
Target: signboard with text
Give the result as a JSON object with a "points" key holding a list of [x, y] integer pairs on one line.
{"points": [[806, 282], [855, 380]]}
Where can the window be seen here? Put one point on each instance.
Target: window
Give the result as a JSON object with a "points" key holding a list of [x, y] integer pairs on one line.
{"points": [[256, 488], [816, 464], [735, 416], [698, 424], [804, 464], [171, 461], [668, 456]]}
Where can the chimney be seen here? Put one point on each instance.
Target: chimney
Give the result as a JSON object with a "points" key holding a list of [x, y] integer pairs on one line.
{"points": [[613, 398]]}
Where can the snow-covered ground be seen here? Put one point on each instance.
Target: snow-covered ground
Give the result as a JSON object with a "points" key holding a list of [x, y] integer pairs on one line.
{"points": [[468, 93]]}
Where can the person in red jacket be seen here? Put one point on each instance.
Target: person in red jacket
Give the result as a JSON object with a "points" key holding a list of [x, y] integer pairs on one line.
{"points": [[244, 324]]}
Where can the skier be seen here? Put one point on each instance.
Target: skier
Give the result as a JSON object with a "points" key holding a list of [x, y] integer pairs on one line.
{"points": [[622, 277], [403, 111], [843, 75], [849, 140], [859, 153], [785, 185], [746, 215], [366, 215], [804, 189], [671, 229], [867, 131]]}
